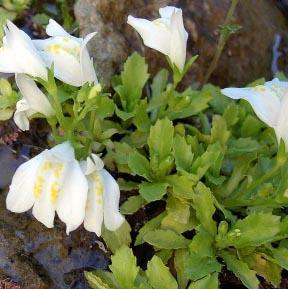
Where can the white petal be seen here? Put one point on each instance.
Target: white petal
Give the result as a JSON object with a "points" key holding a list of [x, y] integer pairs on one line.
{"points": [[264, 101], [63, 152], [21, 115], [279, 87], [43, 209], [281, 127], [20, 197], [155, 34], [179, 38], [35, 98], [7, 61], [66, 66], [86, 63], [94, 209], [25, 55], [54, 29], [168, 11], [72, 198], [112, 217]]}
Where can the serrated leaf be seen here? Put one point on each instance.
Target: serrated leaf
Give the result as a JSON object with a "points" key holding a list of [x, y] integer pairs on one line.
{"points": [[96, 282], [124, 267], [151, 225], [219, 131], [180, 261], [241, 270], [134, 77], [132, 205], [118, 238], [182, 153], [159, 275], [105, 107], [141, 118], [159, 83], [205, 209], [166, 239], [139, 165], [152, 191], [254, 230], [182, 185], [208, 282], [160, 140]]}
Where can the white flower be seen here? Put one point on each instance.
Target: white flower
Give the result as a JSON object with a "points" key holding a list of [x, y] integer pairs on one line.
{"points": [[50, 182], [33, 101], [68, 54], [18, 54], [103, 197], [270, 103], [166, 34]]}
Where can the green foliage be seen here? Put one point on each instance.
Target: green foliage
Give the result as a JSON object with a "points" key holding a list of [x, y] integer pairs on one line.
{"points": [[8, 99]]}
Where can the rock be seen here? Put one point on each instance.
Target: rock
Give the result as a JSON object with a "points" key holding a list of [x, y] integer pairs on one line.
{"points": [[247, 56]]}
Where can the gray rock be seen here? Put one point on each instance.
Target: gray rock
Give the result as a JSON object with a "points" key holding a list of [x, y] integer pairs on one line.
{"points": [[247, 56]]}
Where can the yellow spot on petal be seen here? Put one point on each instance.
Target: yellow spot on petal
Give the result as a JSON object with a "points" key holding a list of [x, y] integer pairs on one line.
{"points": [[46, 166], [98, 184], [57, 170], [54, 192], [38, 186]]}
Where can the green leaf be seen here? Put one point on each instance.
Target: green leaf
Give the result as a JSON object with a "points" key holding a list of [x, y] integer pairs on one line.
{"points": [[105, 107], [132, 205], [280, 255], [254, 230], [151, 225], [159, 82], [159, 275], [182, 185], [96, 282], [182, 153], [166, 239], [219, 131], [152, 191], [241, 270], [139, 165], [189, 103], [231, 114], [178, 216], [208, 282], [134, 77], [204, 205], [118, 238], [141, 118], [240, 146], [180, 260], [160, 140], [251, 126], [124, 267], [202, 260]]}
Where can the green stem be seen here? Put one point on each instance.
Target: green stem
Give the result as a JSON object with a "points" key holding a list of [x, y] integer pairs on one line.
{"points": [[221, 43]]}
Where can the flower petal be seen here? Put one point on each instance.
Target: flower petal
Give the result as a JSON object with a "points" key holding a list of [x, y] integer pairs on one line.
{"points": [[279, 87], [86, 63], [20, 197], [7, 61], [155, 34], [66, 66], [27, 59], [112, 217], [21, 115], [281, 127], [168, 11], [54, 29], [263, 100], [94, 208], [35, 98], [179, 38], [72, 197], [63, 152]]}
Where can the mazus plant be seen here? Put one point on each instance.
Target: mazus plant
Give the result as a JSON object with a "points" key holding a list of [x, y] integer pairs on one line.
{"points": [[211, 164]]}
